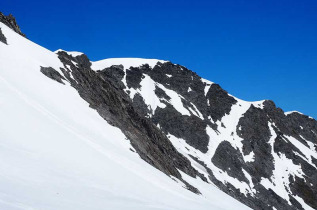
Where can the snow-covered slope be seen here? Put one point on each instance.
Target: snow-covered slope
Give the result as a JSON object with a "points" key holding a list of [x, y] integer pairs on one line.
{"points": [[57, 153], [132, 133]]}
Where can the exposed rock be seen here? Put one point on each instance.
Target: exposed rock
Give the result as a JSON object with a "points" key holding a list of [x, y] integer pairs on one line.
{"points": [[253, 128], [115, 106], [134, 77], [161, 94], [53, 74], [106, 92], [295, 203], [3, 39], [301, 188], [114, 74], [220, 102], [11, 23], [230, 160], [180, 79], [140, 106], [190, 128]]}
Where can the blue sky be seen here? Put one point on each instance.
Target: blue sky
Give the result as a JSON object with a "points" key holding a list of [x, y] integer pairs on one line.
{"points": [[263, 49]]}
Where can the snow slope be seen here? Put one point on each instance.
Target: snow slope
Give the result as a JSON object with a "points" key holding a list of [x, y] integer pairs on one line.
{"points": [[57, 153], [126, 62]]}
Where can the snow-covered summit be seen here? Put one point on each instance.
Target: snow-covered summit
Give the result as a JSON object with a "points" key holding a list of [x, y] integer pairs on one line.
{"points": [[291, 112], [73, 53], [126, 62]]}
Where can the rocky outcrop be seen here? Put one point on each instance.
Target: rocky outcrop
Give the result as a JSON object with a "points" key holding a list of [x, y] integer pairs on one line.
{"points": [[264, 131], [220, 102], [108, 92], [230, 160], [3, 39], [253, 129], [190, 128], [10, 21], [53, 74], [104, 93]]}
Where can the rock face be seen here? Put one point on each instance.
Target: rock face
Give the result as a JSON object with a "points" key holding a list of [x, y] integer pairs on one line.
{"points": [[104, 93], [53, 74], [3, 39], [177, 121], [10, 21]]}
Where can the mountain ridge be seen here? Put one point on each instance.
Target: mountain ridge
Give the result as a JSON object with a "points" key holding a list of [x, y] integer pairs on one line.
{"points": [[183, 124], [191, 128], [57, 153]]}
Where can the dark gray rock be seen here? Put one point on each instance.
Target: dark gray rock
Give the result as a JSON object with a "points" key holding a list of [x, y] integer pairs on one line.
{"points": [[220, 102], [295, 203], [104, 91], [115, 71], [292, 124], [230, 160], [3, 39], [161, 94], [140, 106], [303, 189], [114, 105], [134, 77], [82, 61], [253, 128], [314, 160], [11, 23], [302, 126], [190, 128], [180, 80], [114, 74], [53, 74]]}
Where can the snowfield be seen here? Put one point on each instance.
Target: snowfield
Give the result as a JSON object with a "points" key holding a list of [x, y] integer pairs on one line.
{"points": [[126, 62], [57, 153]]}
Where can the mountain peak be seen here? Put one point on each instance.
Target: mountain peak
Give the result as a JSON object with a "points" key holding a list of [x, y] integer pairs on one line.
{"points": [[10, 21], [73, 125]]}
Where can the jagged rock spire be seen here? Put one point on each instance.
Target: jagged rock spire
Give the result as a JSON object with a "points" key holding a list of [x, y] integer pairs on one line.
{"points": [[10, 21]]}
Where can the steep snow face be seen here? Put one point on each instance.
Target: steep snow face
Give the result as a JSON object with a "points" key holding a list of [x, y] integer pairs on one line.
{"points": [[57, 153], [126, 62]]}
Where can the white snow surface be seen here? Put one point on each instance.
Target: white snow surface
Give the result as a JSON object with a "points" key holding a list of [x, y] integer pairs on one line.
{"points": [[126, 62], [207, 84], [290, 112], [57, 153], [73, 53]]}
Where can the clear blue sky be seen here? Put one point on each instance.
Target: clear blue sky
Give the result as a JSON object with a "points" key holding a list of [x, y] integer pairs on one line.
{"points": [[262, 49]]}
